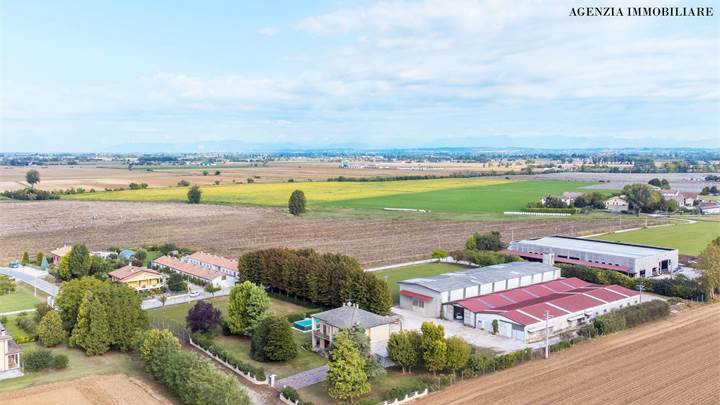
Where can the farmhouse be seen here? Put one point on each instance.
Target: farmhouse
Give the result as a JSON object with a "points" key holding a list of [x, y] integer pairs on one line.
{"points": [[190, 270], [634, 260], [520, 313], [425, 296], [616, 204], [673, 195], [214, 263], [377, 328], [9, 355], [568, 197], [139, 278], [58, 253]]}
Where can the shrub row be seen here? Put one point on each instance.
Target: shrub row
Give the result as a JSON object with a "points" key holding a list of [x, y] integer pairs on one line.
{"points": [[483, 257], [478, 365], [630, 317], [400, 393], [27, 323], [679, 286], [298, 316], [206, 342], [291, 394], [43, 359]]}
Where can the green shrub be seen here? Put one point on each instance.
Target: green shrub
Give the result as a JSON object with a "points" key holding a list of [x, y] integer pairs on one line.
{"points": [[290, 393], [37, 360], [439, 254], [294, 317], [59, 362]]}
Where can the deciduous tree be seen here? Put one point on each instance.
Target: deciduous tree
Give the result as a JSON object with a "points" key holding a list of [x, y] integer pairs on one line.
{"points": [[709, 266], [458, 353], [194, 195], [272, 340], [92, 332], [32, 177], [296, 204], [50, 331], [346, 377], [248, 304], [404, 349], [203, 317], [176, 283]]}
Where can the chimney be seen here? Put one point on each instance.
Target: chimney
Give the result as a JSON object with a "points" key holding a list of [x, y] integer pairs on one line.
{"points": [[548, 258]]}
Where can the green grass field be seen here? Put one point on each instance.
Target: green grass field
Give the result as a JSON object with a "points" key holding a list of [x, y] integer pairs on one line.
{"points": [[690, 239], [21, 298], [392, 276], [79, 366], [305, 360], [177, 313], [381, 386], [444, 195]]}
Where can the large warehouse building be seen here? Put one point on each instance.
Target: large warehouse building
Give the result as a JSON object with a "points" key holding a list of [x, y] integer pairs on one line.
{"points": [[634, 260], [425, 296], [520, 312]]}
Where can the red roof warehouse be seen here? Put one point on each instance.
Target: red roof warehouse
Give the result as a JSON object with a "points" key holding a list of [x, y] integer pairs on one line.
{"points": [[520, 312]]}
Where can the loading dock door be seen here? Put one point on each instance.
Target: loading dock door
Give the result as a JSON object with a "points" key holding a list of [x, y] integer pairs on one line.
{"points": [[458, 313], [665, 264]]}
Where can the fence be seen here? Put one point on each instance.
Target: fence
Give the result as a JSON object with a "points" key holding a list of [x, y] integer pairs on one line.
{"points": [[407, 398], [176, 328], [445, 260], [269, 380]]}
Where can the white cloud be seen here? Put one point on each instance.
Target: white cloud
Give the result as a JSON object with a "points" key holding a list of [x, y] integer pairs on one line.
{"points": [[267, 31]]}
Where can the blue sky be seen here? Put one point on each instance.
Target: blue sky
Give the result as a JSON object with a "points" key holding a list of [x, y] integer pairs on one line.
{"points": [[84, 76]]}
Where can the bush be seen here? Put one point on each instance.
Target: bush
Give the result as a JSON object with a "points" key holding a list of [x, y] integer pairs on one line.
{"points": [[488, 257], [294, 317], [439, 254], [27, 323], [59, 362], [631, 316], [37, 360], [290, 393]]}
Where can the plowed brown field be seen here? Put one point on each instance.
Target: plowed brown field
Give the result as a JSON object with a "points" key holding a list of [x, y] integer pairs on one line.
{"points": [[675, 361], [41, 226], [95, 390]]}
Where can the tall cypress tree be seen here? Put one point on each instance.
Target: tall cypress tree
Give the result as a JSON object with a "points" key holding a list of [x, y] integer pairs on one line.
{"points": [[92, 331], [346, 370]]}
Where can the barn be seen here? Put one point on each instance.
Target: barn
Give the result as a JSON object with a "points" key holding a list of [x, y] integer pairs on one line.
{"points": [[520, 313], [633, 260], [425, 296]]}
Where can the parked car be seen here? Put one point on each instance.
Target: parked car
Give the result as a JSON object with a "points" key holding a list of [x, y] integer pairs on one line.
{"points": [[14, 264], [194, 293]]}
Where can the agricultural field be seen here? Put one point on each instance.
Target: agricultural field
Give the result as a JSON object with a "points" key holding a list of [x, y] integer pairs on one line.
{"points": [[690, 239], [40, 226], [392, 276], [21, 298], [177, 313], [673, 361], [445, 195], [115, 175]]}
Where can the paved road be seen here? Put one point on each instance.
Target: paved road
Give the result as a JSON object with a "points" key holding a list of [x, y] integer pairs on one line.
{"points": [[304, 379], [151, 303], [31, 276]]}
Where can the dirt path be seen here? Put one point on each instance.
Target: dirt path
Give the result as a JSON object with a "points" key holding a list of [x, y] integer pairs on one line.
{"points": [[117, 389], [675, 361], [232, 230]]}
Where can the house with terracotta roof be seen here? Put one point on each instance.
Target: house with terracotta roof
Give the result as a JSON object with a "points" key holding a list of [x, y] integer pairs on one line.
{"points": [[58, 253], [521, 313], [191, 270], [212, 262], [617, 204], [139, 278], [10, 366]]}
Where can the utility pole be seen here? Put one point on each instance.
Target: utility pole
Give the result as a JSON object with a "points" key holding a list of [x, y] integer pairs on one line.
{"points": [[640, 288], [547, 334]]}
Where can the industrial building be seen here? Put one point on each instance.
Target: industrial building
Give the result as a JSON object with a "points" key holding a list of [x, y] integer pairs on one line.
{"points": [[520, 313], [633, 260], [426, 295]]}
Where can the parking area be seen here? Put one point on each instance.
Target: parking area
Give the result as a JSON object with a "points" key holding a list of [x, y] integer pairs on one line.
{"points": [[475, 337]]}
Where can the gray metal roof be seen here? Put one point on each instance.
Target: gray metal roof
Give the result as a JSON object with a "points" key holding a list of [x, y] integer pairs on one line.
{"points": [[480, 275], [594, 246], [348, 315]]}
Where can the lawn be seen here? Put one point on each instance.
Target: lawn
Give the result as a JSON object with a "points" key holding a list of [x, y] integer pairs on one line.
{"points": [[177, 313], [392, 276], [305, 360], [277, 194], [79, 365], [690, 239], [13, 329], [498, 197], [21, 298], [381, 386]]}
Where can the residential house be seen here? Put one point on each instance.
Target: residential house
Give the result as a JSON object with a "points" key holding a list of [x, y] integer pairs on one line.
{"points": [[617, 204], [9, 355], [673, 195], [214, 263], [568, 197], [192, 271], [58, 254], [377, 328], [139, 278], [690, 199]]}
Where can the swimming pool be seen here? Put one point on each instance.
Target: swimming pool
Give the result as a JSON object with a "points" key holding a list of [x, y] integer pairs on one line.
{"points": [[303, 325]]}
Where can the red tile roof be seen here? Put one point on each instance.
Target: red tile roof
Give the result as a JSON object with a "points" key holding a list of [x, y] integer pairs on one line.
{"points": [[215, 260], [557, 297], [187, 268], [61, 251], [124, 272], [415, 295]]}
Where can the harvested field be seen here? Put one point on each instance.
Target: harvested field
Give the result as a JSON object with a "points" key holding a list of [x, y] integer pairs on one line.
{"points": [[231, 230], [115, 175], [117, 389], [674, 361]]}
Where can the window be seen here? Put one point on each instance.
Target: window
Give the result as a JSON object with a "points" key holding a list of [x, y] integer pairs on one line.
{"points": [[417, 303]]}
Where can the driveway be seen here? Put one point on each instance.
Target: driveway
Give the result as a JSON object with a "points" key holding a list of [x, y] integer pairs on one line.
{"points": [[304, 379], [31, 276], [475, 337]]}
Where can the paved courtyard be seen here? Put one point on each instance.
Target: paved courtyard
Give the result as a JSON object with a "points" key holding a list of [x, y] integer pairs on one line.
{"points": [[475, 337], [304, 379]]}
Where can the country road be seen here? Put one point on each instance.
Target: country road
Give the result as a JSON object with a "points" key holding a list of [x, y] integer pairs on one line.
{"points": [[674, 361]]}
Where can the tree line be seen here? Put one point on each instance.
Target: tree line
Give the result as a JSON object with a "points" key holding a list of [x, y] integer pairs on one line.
{"points": [[327, 279]]}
